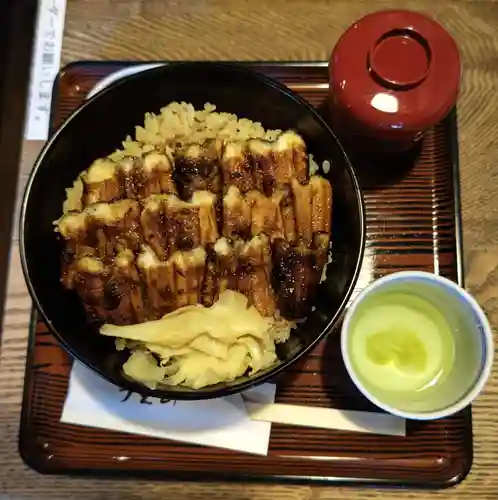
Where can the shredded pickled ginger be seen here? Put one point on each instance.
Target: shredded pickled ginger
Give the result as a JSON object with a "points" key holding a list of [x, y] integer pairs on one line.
{"points": [[197, 346]]}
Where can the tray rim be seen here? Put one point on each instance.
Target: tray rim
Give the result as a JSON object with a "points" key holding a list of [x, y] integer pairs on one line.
{"points": [[208, 477]]}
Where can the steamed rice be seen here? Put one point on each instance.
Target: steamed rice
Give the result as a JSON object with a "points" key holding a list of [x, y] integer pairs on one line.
{"points": [[180, 123]]}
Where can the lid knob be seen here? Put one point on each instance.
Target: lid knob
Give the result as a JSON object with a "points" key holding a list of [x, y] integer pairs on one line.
{"points": [[400, 59]]}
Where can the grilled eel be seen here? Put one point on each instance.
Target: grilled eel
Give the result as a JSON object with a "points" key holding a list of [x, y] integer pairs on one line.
{"points": [[255, 164], [100, 182], [236, 166], [197, 168], [106, 181], [237, 216], [276, 163], [220, 273], [170, 230], [245, 267], [298, 264], [254, 273], [159, 249], [110, 295], [102, 230], [173, 283], [312, 207], [293, 214], [265, 166], [132, 290], [296, 274], [164, 222], [170, 224], [142, 177], [255, 213]]}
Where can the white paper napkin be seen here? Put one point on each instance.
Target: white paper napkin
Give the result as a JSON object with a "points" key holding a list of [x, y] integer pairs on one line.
{"points": [[240, 422], [222, 422]]}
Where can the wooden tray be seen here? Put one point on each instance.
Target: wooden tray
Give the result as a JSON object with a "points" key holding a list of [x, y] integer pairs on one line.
{"points": [[413, 222]]}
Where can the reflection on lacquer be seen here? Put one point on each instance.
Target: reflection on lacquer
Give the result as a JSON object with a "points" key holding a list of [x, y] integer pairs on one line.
{"points": [[385, 102]]}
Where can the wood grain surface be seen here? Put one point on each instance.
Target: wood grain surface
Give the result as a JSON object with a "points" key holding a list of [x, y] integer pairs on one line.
{"points": [[277, 30]]}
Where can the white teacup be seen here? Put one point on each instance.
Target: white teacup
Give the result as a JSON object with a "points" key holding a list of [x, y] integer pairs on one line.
{"points": [[417, 345]]}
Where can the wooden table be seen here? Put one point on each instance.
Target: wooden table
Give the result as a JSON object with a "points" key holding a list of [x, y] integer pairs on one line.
{"points": [[274, 30]]}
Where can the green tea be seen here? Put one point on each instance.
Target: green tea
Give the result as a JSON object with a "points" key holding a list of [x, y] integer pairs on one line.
{"points": [[400, 345]]}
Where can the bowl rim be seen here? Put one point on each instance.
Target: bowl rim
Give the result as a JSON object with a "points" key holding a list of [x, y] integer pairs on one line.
{"points": [[486, 361], [210, 391]]}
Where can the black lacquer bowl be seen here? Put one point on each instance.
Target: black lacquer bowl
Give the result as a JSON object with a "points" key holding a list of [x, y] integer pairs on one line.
{"points": [[97, 128]]}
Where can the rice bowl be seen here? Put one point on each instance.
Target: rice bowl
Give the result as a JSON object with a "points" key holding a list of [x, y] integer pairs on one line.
{"points": [[69, 152]]}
